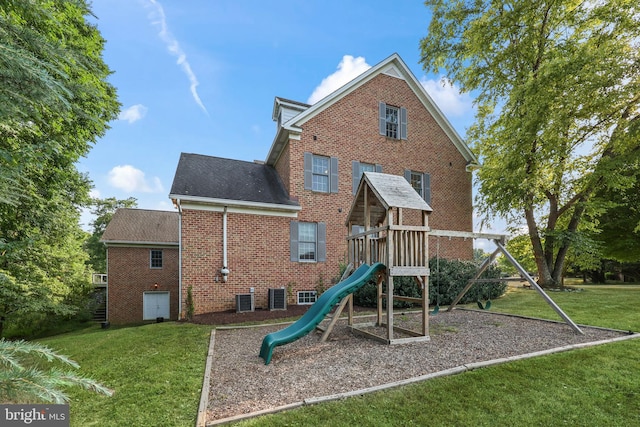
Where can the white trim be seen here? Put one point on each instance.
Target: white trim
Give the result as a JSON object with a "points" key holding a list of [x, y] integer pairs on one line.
{"points": [[237, 206], [314, 293], [141, 244], [167, 245], [281, 139]]}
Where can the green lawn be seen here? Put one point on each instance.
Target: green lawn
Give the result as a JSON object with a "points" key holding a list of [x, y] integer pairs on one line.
{"points": [[156, 371]]}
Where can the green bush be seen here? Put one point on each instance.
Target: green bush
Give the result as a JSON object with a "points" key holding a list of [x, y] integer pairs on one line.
{"points": [[448, 278]]}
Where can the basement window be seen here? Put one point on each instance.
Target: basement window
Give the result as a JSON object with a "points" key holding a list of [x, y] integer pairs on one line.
{"points": [[306, 297]]}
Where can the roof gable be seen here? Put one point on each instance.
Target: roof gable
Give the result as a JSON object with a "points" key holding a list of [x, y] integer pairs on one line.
{"points": [[393, 66], [142, 226]]}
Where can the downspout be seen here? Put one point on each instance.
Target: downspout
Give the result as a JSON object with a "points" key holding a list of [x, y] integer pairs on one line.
{"points": [[225, 270], [179, 206]]}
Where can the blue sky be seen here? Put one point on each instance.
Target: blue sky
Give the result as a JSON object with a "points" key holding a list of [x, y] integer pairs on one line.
{"points": [[200, 76]]}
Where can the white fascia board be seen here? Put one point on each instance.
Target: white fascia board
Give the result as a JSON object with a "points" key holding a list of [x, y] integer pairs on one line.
{"points": [[236, 206], [282, 138], [140, 244]]}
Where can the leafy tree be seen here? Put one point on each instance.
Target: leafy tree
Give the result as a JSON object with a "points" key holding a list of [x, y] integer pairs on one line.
{"points": [[103, 209], [558, 96], [619, 228], [55, 102], [520, 247]]}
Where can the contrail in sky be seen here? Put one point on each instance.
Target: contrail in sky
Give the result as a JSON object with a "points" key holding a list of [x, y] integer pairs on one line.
{"points": [[158, 18]]}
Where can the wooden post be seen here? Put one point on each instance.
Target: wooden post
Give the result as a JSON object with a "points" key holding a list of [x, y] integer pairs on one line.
{"points": [[379, 304], [389, 307], [425, 263], [367, 226]]}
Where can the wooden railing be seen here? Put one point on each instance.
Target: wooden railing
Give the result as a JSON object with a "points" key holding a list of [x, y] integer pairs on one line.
{"points": [[407, 251]]}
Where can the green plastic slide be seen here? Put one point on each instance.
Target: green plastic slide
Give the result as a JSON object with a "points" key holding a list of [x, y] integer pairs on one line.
{"points": [[318, 310]]}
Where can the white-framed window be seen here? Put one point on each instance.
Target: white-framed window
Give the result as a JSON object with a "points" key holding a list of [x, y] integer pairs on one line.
{"points": [[308, 241], [421, 182], [358, 168], [320, 173], [391, 118], [416, 182], [392, 121], [306, 297], [155, 258]]}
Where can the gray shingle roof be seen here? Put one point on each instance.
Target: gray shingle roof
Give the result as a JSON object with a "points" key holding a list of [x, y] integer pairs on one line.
{"points": [[217, 178], [142, 226], [391, 191]]}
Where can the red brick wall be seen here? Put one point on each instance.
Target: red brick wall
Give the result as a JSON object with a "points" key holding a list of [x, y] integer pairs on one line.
{"points": [[129, 276], [258, 257], [258, 246], [349, 131]]}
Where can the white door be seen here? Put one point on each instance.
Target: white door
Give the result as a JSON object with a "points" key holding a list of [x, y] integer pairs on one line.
{"points": [[154, 305]]}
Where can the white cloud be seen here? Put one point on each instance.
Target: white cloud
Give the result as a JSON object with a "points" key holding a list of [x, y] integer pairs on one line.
{"points": [[133, 113], [94, 193], [447, 96], [131, 179], [348, 69], [159, 19]]}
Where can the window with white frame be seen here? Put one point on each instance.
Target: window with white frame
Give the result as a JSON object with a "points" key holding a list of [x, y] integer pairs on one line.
{"points": [[416, 182], [320, 173], [391, 118], [421, 182], [307, 238], [392, 121], [308, 241], [306, 297], [155, 256], [358, 168]]}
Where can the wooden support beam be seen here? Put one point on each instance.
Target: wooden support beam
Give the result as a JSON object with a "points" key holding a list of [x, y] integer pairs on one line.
{"points": [[469, 235], [470, 283]]}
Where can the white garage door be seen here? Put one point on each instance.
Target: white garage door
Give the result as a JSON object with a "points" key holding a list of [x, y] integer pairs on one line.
{"points": [[154, 305]]}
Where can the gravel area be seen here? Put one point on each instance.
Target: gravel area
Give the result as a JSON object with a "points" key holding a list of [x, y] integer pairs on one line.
{"points": [[241, 383]]}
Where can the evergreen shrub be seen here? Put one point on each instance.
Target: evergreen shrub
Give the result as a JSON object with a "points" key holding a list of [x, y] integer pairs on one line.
{"points": [[448, 278]]}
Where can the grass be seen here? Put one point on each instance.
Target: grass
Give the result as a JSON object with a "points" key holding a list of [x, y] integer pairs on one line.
{"points": [[156, 371]]}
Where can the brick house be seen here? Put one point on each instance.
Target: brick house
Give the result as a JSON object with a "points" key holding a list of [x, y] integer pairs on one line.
{"points": [[142, 265], [247, 227]]}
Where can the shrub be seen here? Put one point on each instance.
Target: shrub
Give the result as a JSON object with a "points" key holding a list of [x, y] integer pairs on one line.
{"points": [[448, 278]]}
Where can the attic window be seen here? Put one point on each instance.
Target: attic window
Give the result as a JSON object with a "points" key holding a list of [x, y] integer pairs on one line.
{"points": [[392, 121], [391, 118]]}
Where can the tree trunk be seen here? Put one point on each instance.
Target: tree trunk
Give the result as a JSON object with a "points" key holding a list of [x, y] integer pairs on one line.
{"points": [[544, 272]]}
